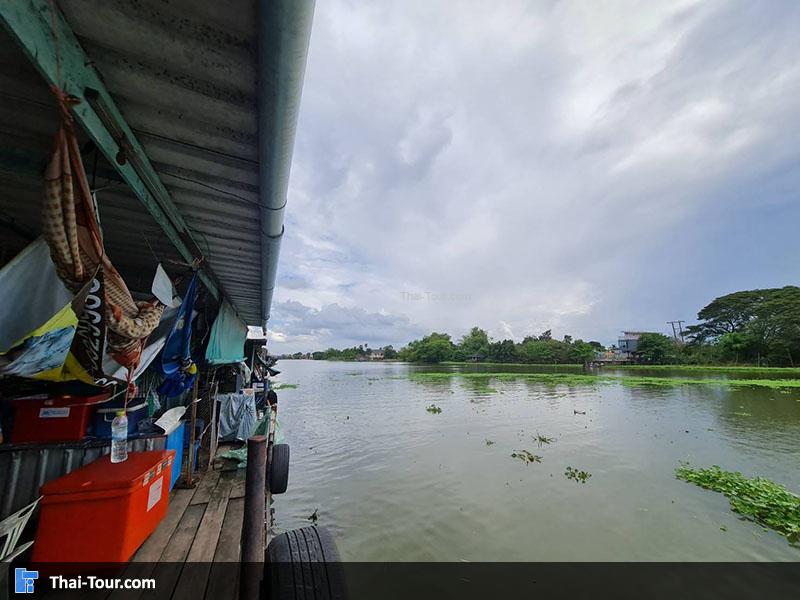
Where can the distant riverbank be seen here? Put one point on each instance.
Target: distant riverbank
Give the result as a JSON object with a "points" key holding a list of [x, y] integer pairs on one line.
{"points": [[733, 369], [717, 368]]}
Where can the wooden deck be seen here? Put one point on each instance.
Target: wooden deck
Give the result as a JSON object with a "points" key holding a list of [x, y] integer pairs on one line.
{"points": [[195, 551]]}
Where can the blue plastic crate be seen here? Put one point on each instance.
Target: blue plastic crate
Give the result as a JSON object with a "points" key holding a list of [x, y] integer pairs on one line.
{"points": [[104, 414]]}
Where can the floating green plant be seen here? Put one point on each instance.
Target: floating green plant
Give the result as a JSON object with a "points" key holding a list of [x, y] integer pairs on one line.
{"points": [[713, 369], [485, 389], [433, 409], [526, 457], [285, 386], [541, 439], [627, 380], [757, 499], [576, 475]]}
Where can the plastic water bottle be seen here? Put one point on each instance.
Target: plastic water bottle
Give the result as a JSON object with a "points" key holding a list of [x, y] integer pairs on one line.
{"points": [[119, 438]]}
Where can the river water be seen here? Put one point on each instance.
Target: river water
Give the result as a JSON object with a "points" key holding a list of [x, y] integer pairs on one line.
{"points": [[394, 482]]}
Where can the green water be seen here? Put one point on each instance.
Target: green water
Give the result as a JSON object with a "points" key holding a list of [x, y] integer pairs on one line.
{"points": [[395, 482]]}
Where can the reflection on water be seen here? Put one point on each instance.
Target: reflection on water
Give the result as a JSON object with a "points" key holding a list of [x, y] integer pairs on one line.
{"points": [[395, 482]]}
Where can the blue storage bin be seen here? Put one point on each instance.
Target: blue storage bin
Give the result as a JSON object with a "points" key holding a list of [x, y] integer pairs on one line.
{"points": [[105, 413], [199, 427], [175, 442]]}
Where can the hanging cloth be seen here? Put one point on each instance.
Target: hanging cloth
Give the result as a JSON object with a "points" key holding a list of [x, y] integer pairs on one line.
{"points": [[177, 366], [228, 335], [110, 320]]}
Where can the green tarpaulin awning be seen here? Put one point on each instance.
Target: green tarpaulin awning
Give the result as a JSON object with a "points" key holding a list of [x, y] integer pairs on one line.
{"points": [[228, 335]]}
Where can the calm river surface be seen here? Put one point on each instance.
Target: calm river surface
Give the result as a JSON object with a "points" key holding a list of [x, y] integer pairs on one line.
{"points": [[394, 482]]}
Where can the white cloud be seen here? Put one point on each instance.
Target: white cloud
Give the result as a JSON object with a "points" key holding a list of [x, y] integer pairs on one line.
{"points": [[533, 165]]}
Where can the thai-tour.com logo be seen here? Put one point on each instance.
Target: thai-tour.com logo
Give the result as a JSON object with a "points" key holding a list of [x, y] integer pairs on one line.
{"points": [[24, 582]]}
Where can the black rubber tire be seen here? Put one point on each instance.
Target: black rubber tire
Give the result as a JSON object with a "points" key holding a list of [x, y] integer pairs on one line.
{"points": [[303, 564], [278, 476]]}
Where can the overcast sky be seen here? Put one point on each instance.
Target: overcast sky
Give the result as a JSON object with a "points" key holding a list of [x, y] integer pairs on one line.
{"points": [[584, 167]]}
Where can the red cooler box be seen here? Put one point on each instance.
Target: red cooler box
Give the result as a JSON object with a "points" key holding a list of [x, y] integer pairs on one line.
{"points": [[104, 511], [56, 419]]}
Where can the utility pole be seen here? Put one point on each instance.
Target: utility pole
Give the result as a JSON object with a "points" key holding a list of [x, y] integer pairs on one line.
{"points": [[677, 329]]}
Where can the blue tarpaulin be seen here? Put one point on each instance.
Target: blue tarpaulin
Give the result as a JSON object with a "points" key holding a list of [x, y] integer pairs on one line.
{"points": [[176, 360], [228, 335]]}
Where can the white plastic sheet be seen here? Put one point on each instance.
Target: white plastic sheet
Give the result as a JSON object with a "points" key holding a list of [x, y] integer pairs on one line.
{"points": [[31, 293], [170, 420]]}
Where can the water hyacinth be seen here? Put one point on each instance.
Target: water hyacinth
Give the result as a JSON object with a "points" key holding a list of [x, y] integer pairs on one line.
{"points": [[763, 501]]}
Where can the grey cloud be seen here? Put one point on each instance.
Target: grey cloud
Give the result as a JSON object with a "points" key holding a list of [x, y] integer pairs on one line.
{"points": [[300, 327], [537, 159]]}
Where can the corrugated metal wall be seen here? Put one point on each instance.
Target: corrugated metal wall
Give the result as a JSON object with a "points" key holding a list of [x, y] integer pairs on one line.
{"points": [[24, 470]]}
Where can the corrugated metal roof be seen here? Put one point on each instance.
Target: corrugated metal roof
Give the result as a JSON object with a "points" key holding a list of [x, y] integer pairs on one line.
{"points": [[184, 75]]}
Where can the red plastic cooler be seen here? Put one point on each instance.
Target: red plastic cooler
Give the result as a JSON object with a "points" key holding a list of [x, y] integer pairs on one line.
{"points": [[104, 511], [56, 419]]}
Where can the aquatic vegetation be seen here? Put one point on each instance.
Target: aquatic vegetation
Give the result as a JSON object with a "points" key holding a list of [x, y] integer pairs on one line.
{"points": [[541, 439], [757, 499], [732, 383], [550, 366], [489, 442], [627, 380], [575, 411], [526, 457], [313, 517], [576, 475], [433, 409], [485, 389], [285, 386], [737, 369]]}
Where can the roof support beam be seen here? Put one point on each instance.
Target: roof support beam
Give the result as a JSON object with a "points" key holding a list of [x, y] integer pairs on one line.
{"points": [[51, 46]]}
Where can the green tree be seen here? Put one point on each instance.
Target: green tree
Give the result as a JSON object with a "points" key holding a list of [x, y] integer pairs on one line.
{"points": [[434, 348], [505, 351], [581, 352], [733, 345], [775, 330], [728, 314], [475, 342], [536, 352], [768, 318], [655, 347]]}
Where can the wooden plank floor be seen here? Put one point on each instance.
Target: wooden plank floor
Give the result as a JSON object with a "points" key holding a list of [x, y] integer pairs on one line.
{"points": [[195, 551]]}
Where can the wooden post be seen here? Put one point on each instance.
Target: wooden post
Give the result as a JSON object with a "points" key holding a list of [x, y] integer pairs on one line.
{"points": [[213, 442], [252, 561], [189, 479]]}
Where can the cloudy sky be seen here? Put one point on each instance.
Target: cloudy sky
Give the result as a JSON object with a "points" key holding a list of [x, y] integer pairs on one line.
{"points": [[584, 167]]}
